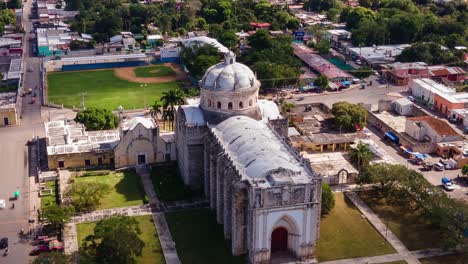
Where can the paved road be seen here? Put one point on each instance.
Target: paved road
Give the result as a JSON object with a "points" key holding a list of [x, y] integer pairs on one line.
{"points": [[14, 161], [370, 95]]}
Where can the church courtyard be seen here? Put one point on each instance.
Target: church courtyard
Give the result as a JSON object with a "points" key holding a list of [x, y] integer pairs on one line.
{"points": [[152, 252], [125, 189], [199, 239], [345, 234]]}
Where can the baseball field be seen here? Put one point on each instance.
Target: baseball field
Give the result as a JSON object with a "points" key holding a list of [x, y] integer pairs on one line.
{"points": [[131, 87]]}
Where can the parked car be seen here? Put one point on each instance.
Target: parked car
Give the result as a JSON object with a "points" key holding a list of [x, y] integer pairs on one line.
{"points": [[358, 62], [446, 164], [428, 165], [447, 184], [453, 120], [39, 249], [4, 242], [411, 98], [439, 167]]}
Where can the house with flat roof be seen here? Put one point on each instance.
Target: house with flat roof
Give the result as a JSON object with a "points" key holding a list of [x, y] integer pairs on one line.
{"points": [[401, 73], [8, 114], [377, 55], [337, 36]]}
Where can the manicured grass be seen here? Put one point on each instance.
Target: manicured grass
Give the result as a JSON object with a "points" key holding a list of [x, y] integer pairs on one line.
{"points": [[125, 189], [409, 225], [152, 252], [49, 199], [168, 183], [345, 234], [154, 71], [103, 89], [451, 259], [199, 239]]}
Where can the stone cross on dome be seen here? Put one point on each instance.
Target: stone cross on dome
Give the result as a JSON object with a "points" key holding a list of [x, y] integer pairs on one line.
{"points": [[230, 58]]}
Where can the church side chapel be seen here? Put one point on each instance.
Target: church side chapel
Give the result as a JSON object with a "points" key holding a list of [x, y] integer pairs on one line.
{"points": [[231, 145]]}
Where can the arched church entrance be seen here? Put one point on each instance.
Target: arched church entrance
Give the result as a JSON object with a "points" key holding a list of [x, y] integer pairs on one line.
{"points": [[279, 240]]}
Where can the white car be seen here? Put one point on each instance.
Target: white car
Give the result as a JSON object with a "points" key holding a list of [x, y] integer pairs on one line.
{"points": [[2, 204], [448, 186], [439, 167], [411, 98], [358, 62]]}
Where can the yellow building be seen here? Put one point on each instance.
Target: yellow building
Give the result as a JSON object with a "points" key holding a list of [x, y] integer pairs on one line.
{"points": [[8, 115]]}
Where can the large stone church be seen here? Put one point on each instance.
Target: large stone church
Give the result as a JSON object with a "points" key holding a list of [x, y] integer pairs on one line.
{"points": [[232, 146]]}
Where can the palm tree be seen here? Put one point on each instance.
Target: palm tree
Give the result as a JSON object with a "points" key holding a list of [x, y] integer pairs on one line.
{"points": [[361, 155], [156, 110], [170, 100]]}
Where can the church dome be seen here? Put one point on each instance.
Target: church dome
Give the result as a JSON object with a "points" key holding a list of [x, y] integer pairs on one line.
{"points": [[228, 76]]}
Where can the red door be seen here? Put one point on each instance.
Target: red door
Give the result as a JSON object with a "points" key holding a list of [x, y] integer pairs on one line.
{"points": [[279, 240]]}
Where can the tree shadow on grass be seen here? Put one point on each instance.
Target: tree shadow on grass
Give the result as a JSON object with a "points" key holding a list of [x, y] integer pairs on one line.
{"points": [[130, 186]]}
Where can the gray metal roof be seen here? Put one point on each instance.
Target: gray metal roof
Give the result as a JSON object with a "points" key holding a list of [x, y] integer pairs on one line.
{"points": [[258, 152], [228, 76]]}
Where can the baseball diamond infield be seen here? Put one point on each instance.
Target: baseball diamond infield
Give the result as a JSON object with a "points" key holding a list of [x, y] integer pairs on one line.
{"points": [[109, 88]]}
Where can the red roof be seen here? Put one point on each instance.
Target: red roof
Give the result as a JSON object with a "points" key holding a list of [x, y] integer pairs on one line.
{"points": [[440, 126], [260, 25]]}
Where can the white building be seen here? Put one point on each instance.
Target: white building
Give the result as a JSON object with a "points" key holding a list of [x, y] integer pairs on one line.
{"points": [[430, 129], [403, 107], [426, 90]]}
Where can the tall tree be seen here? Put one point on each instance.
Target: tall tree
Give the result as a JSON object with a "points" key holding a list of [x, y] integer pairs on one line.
{"points": [[85, 195], [361, 155], [348, 116], [57, 215], [97, 119], [156, 109], [170, 100], [328, 199]]}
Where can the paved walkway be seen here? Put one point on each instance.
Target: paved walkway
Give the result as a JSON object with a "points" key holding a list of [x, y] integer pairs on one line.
{"points": [[100, 214], [382, 229], [165, 238], [426, 253]]}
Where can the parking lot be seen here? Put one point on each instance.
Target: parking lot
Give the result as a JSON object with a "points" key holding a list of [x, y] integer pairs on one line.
{"points": [[434, 177]]}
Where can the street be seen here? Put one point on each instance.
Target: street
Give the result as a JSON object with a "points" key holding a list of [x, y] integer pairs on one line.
{"points": [[371, 95], [15, 173]]}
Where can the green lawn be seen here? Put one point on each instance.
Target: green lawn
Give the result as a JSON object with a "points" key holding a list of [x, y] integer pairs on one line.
{"points": [[410, 226], [168, 183], [49, 199], [154, 71], [102, 89], [152, 252], [125, 189], [199, 239], [345, 234], [451, 259]]}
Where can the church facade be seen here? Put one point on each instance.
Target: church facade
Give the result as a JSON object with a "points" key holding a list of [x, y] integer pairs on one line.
{"points": [[232, 146]]}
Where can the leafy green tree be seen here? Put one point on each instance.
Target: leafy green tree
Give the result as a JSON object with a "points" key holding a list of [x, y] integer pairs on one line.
{"points": [[115, 240], [85, 195], [357, 15], [97, 119], [328, 199], [323, 46], [54, 257], [170, 100], [370, 32], [322, 82], [430, 53], [119, 246], [363, 72], [261, 39], [225, 37], [361, 155], [57, 215], [320, 5], [7, 17], [156, 109], [348, 116], [199, 58], [465, 169]]}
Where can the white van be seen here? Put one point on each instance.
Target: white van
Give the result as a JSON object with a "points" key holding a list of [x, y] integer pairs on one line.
{"points": [[439, 167]]}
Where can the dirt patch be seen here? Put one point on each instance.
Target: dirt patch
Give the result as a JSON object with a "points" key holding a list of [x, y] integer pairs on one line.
{"points": [[128, 74]]}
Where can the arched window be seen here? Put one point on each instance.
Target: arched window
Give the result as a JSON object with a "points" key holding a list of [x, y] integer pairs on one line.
{"points": [[241, 105], [209, 103], [250, 102], [219, 105], [230, 106]]}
